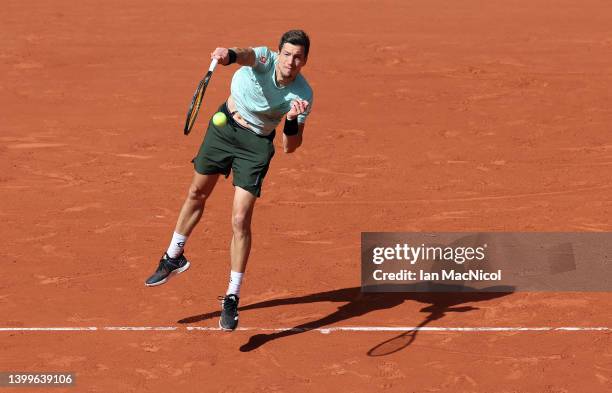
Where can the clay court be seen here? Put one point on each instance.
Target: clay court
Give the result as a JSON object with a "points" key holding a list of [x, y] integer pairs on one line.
{"points": [[429, 116]]}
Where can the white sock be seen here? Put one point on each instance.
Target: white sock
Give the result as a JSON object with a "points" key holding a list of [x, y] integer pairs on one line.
{"points": [[176, 245], [234, 283]]}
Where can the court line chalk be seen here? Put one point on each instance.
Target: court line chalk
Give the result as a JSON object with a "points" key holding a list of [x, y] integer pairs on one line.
{"points": [[398, 329]]}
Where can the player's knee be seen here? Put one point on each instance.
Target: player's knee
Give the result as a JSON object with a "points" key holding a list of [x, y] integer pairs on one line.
{"points": [[197, 193], [240, 224]]}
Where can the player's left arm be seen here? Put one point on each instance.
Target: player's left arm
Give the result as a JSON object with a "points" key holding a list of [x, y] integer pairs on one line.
{"points": [[293, 130], [292, 142]]}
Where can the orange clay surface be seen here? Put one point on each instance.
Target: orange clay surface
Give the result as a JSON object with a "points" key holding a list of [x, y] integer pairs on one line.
{"points": [[428, 116]]}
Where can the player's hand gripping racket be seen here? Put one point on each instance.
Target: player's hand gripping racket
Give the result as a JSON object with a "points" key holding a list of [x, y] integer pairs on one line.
{"points": [[196, 101]]}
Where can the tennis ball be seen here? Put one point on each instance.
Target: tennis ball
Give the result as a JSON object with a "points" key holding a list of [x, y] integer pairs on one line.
{"points": [[219, 119]]}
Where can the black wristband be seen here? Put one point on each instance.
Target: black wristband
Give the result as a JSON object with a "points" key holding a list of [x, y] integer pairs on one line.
{"points": [[232, 56], [291, 127]]}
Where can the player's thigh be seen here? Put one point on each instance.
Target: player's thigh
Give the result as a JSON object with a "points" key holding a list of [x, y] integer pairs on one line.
{"points": [[252, 160]]}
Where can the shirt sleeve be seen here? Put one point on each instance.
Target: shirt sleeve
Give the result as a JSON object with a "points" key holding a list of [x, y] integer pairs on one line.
{"points": [[263, 59]]}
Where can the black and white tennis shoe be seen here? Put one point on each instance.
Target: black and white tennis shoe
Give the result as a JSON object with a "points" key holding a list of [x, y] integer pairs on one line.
{"points": [[167, 268]]}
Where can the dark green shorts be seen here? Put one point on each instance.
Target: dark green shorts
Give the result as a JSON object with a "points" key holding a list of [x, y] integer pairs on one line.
{"points": [[234, 148]]}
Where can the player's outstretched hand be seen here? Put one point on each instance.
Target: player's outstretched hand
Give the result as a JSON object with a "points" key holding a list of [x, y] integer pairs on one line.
{"points": [[221, 54], [297, 107]]}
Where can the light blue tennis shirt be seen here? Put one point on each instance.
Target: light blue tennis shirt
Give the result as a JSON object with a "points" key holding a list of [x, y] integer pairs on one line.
{"points": [[260, 100]]}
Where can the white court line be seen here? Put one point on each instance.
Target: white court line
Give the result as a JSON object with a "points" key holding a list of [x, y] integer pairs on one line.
{"points": [[412, 329], [320, 330], [46, 329], [156, 328]]}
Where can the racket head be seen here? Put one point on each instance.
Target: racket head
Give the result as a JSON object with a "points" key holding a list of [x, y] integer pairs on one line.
{"points": [[196, 103]]}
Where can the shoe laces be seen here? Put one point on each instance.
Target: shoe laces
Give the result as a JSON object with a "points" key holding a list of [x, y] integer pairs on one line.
{"points": [[229, 302]]}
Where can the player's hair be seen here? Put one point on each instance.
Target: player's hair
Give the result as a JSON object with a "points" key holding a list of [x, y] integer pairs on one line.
{"points": [[296, 37]]}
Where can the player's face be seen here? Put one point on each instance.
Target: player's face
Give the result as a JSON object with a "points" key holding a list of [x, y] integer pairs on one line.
{"points": [[291, 59]]}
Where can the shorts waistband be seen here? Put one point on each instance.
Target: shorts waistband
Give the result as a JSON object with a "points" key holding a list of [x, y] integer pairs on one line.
{"points": [[235, 124]]}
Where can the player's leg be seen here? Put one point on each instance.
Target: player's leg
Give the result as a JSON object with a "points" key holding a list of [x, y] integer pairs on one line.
{"points": [[250, 165], [240, 247], [242, 213], [193, 208], [174, 261], [200, 189]]}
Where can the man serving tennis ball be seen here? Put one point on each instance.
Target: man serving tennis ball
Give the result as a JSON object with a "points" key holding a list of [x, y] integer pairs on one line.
{"points": [[268, 88]]}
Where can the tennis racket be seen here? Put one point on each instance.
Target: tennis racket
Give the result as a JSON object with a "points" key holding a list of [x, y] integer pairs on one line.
{"points": [[196, 101]]}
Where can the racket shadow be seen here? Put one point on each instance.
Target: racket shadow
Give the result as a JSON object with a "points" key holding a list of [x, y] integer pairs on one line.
{"points": [[402, 341], [357, 303]]}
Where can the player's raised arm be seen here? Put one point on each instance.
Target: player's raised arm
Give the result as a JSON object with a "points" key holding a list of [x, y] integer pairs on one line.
{"points": [[227, 56]]}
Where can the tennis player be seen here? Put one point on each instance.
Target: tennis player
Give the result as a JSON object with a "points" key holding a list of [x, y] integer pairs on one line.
{"points": [[267, 88]]}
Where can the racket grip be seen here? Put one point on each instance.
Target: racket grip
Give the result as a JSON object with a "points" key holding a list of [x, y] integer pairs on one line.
{"points": [[213, 64]]}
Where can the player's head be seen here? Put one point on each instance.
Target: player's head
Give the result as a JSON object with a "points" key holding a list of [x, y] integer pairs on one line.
{"points": [[297, 38], [293, 52]]}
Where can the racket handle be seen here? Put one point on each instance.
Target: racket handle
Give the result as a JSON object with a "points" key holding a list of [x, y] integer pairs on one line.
{"points": [[213, 64]]}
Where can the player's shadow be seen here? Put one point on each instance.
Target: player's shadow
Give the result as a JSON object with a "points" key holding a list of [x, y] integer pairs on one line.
{"points": [[360, 303]]}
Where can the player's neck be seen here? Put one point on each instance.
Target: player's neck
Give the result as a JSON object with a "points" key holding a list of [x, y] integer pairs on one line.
{"points": [[282, 81]]}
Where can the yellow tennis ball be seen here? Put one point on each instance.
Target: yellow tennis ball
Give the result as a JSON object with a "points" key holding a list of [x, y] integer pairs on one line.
{"points": [[219, 119]]}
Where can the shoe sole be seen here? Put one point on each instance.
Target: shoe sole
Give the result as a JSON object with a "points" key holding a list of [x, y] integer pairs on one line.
{"points": [[174, 272]]}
